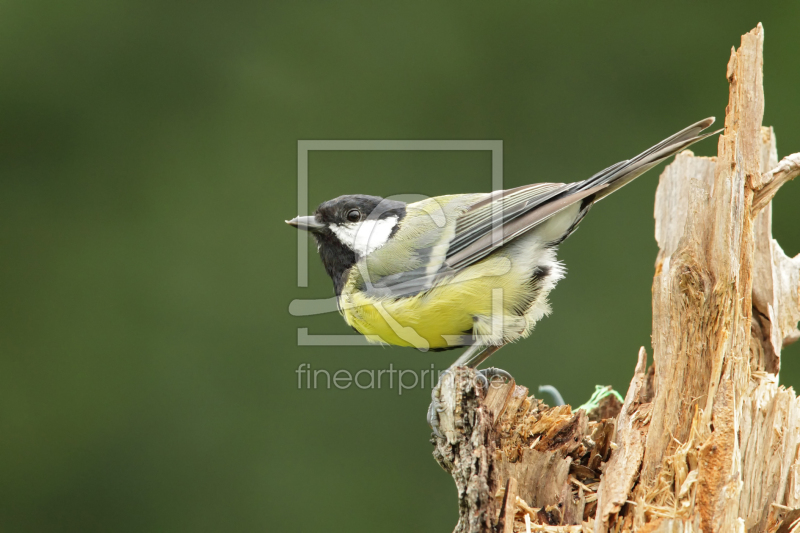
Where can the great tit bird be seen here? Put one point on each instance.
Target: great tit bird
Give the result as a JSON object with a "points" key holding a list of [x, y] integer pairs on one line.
{"points": [[465, 269]]}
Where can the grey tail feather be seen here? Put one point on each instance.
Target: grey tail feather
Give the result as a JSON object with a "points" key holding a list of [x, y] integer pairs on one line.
{"points": [[624, 172]]}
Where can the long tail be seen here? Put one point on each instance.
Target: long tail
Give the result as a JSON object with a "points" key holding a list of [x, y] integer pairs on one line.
{"points": [[624, 172]]}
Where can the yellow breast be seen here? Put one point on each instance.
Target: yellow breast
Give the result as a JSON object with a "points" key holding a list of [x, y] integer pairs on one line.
{"points": [[492, 298]]}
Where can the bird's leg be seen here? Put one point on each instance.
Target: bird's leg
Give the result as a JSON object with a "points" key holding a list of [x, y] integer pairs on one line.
{"points": [[476, 354], [473, 359]]}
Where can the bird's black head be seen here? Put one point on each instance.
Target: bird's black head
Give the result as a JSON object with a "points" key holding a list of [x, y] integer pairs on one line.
{"points": [[349, 227]]}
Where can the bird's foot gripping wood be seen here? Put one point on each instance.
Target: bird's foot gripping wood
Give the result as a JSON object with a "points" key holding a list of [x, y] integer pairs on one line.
{"points": [[486, 376], [443, 395], [438, 405]]}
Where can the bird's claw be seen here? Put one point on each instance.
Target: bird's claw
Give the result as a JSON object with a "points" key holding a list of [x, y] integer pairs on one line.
{"points": [[486, 375], [483, 376], [433, 419], [436, 407]]}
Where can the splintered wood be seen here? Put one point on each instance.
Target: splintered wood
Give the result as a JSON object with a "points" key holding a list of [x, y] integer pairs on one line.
{"points": [[543, 462], [706, 440]]}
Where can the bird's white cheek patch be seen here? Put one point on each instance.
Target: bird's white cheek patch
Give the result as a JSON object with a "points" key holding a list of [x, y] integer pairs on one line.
{"points": [[365, 237]]}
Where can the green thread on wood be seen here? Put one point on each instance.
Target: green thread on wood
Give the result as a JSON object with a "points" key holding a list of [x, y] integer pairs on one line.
{"points": [[600, 392]]}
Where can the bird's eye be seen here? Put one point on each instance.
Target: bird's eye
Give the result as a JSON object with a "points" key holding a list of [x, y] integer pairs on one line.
{"points": [[354, 215]]}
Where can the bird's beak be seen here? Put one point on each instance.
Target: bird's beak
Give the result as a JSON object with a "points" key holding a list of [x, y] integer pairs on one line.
{"points": [[308, 223]]}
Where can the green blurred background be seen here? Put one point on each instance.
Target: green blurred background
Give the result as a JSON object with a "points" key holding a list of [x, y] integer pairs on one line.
{"points": [[148, 159]]}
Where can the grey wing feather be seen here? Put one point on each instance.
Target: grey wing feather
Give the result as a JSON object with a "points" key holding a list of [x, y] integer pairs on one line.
{"points": [[502, 216], [500, 208], [488, 242], [624, 172], [524, 208]]}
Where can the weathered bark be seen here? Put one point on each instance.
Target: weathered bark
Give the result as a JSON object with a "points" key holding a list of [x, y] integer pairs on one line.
{"points": [[509, 452], [706, 440]]}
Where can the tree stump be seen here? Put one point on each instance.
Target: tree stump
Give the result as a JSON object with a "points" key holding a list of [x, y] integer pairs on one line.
{"points": [[705, 440]]}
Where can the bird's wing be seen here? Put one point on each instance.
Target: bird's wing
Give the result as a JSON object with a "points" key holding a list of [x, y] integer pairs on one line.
{"points": [[411, 260], [480, 230], [443, 235], [494, 221]]}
